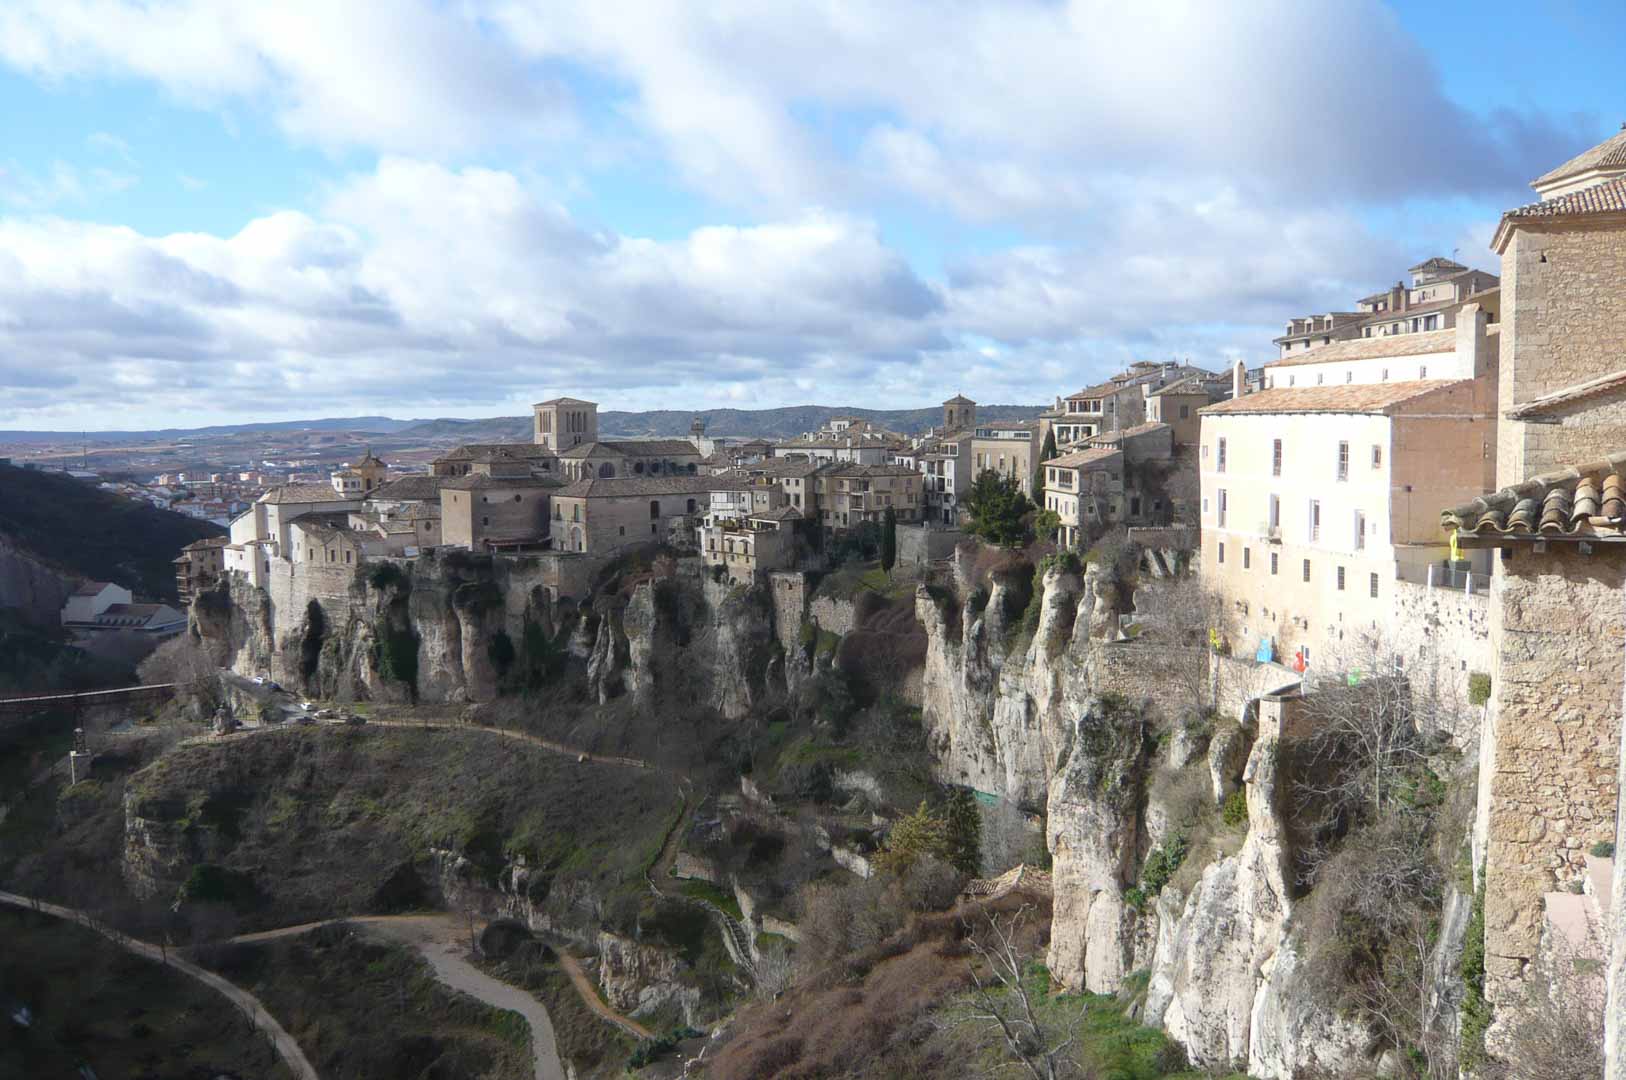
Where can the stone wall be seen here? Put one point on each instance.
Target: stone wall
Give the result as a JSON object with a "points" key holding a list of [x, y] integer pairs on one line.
{"points": [[1239, 680], [788, 589], [832, 614], [919, 545], [1564, 322], [1550, 756], [1444, 637]]}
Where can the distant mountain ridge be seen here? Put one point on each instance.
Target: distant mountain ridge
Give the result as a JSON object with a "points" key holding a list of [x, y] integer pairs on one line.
{"points": [[661, 423]]}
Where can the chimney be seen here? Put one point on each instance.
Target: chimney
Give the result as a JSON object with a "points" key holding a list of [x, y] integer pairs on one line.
{"points": [[1239, 379], [1473, 340]]}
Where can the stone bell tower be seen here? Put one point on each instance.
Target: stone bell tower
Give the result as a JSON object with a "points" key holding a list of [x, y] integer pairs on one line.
{"points": [[565, 422], [959, 413]]}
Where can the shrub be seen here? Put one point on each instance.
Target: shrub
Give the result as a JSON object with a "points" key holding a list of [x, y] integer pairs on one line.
{"points": [[310, 646], [1603, 849], [1479, 687], [1161, 864], [386, 575], [1236, 808], [501, 651], [397, 655]]}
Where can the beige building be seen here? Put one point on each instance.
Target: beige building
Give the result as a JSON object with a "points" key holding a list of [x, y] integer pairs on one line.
{"points": [[1551, 752], [564, 422], [1178, 404], [629, 457], [945, 465], [464, 460], [1317, 497], [355, 481], [200, 564], [1438, 289], [1085, 489], [482, 511], [1007, 447], [959, 414], [850, 495], [328, 540], [260, 534], [599, 517], [747, 548]]}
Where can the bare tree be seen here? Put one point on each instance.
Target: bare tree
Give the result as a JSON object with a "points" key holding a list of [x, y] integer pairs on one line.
{"points": [[1003, 1009], [1191, 622], [1556, 1032], [183, 661]]}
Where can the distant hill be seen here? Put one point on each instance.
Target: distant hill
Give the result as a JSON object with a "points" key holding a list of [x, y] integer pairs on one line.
{"points": [[744, 423], [382, 424], [85, 532]]}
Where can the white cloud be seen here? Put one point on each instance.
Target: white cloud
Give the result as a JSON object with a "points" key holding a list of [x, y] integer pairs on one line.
{"points": [[63, 184], [409, 74]]}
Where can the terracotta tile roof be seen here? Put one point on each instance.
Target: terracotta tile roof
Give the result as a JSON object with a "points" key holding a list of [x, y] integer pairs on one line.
{"points": [[1106, 438], [91, 588], [624, 486], [959, 399], [478, 481], [1345, 398], [1373, 348], [1097, 391], [1084, 459], [1581, 500], [778, 513], [302, 493], [1439, 264], [408, 489], [206, 542], [470, 451], [563, 401], [854, 469], [1191, 384], [1559, 400], [1608, 197], [1609, 154], [635, 448]]}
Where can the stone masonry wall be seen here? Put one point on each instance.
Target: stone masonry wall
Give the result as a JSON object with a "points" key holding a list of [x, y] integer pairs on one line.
{"points": [[1564, 323], [789, 591], [1558, 635], [1443, 634]]}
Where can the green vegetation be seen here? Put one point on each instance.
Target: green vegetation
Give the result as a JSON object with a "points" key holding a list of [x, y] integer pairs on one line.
{"points": [[93, 1003], [650, 1051], [500, 650], [396, 654], [334, 987], [39, 659], [1235, 811], [133, 543], [387, 575], [951, 836], [997, 508], [889, 540], [1477, 1013], [355, 810], [1479, 687], [711, 894], [1603, 849], [1161, 864], [593, 1045]]}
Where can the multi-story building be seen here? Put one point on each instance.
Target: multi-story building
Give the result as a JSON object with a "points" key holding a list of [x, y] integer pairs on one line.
{"points": [[1178, 403], [1439, 287], [945, 465], [600, 516], [748, 547], [1315, 490], [260, 534], [850, 495], [1007, 447], [1126, 477], [200, 564]]}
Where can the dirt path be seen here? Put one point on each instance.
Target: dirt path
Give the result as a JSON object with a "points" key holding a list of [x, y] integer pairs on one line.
{"points": [[284, 1043], [584, 987]]}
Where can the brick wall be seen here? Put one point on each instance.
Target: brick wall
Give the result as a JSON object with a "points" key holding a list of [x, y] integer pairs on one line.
{"points": [[1557, 633]]}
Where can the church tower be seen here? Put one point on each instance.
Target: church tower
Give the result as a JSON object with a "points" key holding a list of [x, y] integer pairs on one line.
{"points": [[565, 422], [959, 413]]}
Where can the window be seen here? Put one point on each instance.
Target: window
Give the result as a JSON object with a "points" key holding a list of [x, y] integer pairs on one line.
{"points": [[1315, 521], [1223, 506], [1349, 376], [1422, 371], [1385, 374], [1320, 378], [1247, 558], [1219, 464], [1275, 512], [1377, 456], [1374, 586], [1343, 461], [622, 531], [1275, 562], [485, 521], [1276, 458], [516, 498], [654, 508], [1185, 412], [1340, 579], [1432, 322], [1222, 552], [1306, 569]]}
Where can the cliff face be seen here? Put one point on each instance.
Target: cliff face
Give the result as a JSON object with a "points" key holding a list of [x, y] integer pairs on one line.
{"points": [[444, 630], [30, 585], [1064, 723]]}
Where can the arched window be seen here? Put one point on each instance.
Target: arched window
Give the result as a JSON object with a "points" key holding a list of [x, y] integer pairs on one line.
{"points": [[606, 470], [693, 468], [638, 467], [558, 512], [654, 508], [516, 498], [576, 512]]}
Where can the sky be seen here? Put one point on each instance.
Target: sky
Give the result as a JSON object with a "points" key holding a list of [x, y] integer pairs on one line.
{"points": [[216, 212]]}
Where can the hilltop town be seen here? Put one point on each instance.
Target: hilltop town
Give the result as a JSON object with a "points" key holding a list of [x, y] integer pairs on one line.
{"points": [[1250, 710]]}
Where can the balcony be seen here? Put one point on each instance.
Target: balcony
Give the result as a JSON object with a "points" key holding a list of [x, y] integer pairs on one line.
{"points": [[1272, 533]]}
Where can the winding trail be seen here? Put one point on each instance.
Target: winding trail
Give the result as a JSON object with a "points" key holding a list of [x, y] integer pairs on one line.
{"points": [[584, 987], [284, 1043]]}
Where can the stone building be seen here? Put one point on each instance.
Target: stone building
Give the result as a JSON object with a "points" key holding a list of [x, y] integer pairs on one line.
{"points": [[464, 460], [598, 517], [850, 495], [354, 481], [748, 548], [945, 464], [200, 564], [260, 535], [1178, 404], [959, 414], [563, 422], [1551, 751], [1008, 447], [508, 509], [607, 460]]}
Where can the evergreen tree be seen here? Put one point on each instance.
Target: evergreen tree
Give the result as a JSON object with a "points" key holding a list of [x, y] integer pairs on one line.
{"points": [[889, 540], [964, 832], [914, 837], [996, 506]]}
